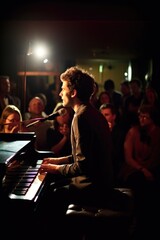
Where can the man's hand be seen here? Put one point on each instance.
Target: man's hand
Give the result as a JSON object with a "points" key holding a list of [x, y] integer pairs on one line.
{"points": [[51, 160], [49, 168]]}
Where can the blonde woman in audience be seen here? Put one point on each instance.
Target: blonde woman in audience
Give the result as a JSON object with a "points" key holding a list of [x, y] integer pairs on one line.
{"points": [[11, 120]]}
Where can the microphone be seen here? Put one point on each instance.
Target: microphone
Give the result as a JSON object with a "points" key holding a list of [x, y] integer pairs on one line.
{"points": [[52, 116]]}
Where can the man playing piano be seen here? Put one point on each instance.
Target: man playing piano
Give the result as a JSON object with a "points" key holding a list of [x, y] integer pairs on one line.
{"points": [[89, 167]]}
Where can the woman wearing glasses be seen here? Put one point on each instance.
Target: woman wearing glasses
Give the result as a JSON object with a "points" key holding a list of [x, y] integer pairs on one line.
{"points": [[141, 170]]}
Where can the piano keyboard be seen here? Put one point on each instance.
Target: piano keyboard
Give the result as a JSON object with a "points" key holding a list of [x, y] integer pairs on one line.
{"points": [[22, 181]]}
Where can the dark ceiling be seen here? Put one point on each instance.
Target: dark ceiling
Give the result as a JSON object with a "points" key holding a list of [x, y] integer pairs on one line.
{"points": [[83, 30], [74, 10]]}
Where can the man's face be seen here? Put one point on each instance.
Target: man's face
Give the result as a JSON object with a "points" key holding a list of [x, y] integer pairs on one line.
{"points": [[5, 86], [65, 94], [108, 114], [36, 106]]}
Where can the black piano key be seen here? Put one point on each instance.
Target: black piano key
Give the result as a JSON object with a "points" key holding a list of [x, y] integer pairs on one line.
{"points": [[26, 180], [20, 191], [23, 185]]}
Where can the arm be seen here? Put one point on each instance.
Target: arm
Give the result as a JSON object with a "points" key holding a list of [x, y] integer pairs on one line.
{"points": [[57, 147], [58, 140], [58, 161], [54, 165]]}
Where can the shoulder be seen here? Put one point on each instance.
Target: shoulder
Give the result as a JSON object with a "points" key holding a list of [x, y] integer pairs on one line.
{"points": [[117, 94], [133, 131]]}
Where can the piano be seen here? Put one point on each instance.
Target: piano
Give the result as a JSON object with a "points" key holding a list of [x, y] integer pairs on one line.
{"points": [[23, 190], [21, 184]]}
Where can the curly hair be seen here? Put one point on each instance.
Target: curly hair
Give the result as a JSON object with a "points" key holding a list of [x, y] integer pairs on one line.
{"points": [[80, 80]]}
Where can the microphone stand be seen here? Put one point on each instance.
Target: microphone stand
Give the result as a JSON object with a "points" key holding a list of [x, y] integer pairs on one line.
{"points": [[33, 123], [37, 121]]}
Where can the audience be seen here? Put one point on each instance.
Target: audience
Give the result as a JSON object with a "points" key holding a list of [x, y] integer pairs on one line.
{"points": [[126, 92], [151, 97], [129, 117], [43, 97], [116, 97]]}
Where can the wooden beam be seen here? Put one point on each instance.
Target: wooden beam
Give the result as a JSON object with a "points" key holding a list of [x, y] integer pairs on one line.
{"points": [[38, 73]]}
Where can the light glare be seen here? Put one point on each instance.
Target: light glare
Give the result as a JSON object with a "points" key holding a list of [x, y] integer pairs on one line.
{"points": [[40, 51]]}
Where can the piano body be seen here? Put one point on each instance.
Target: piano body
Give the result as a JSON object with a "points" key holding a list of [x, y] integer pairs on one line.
{"points": [[21, 184]]}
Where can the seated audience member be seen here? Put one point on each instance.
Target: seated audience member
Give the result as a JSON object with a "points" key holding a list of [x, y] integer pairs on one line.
{"points": [[36, 108], [141, 170], [126, 92], [104, 97], [132, 104], [142, 146], [43, 97], [116, 97], [5, 94], [35, 112], [151, 97], [58, 135], [118, 135], [11, 120]]}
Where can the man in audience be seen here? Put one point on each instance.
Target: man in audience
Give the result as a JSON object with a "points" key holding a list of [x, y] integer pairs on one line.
{"points": [[5, 94]]}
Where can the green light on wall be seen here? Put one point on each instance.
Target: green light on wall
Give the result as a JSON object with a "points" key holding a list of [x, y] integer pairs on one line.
{"points": [[100, 68]]}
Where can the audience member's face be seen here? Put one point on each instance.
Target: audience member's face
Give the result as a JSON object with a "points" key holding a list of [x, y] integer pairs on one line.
{"points": [[36, 106], [135, 89], [125, 90], [150, 94], [64, 119], [109, 116], [104, 98], [13, 121], [5, 86], [145, 119]]}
